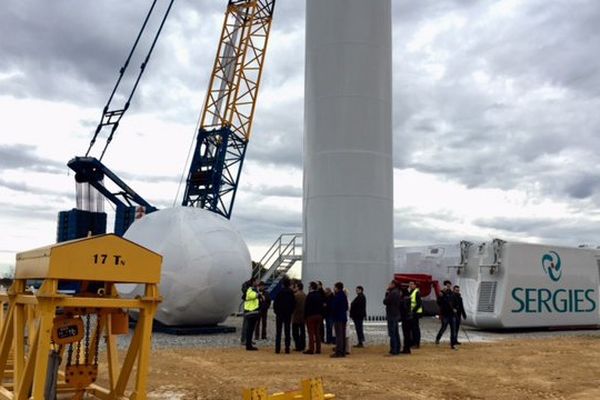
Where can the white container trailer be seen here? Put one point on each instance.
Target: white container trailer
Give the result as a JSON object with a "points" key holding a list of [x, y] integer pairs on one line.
{"points": [[432, 260], [522, 285]]}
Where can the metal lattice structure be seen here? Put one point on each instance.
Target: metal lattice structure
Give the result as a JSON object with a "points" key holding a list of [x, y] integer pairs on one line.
{"points": [[226, 121]]}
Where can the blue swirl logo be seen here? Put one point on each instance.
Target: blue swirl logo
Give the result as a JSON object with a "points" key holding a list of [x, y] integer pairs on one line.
{"points": [[551, 265]]}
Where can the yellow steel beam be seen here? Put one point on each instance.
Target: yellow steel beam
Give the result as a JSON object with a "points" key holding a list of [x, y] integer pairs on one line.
{"points": [[5, 394], [129, 361], [98, 258], [19, 344], [23, 386]]}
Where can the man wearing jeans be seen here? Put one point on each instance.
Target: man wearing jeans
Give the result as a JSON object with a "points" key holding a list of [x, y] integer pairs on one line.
{"points": [[448, 312], [460, 311], [393, 302], [340, 319]]}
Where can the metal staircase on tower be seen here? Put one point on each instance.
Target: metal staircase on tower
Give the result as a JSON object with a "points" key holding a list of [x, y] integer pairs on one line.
{"points": [[281, 256]]}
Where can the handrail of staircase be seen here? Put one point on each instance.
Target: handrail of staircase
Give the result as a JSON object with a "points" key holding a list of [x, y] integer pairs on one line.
{"points": [[282, 251], [266, 258]]}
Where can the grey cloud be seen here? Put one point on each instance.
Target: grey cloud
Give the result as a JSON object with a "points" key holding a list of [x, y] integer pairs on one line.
{"points": [[129, 177], [276, 191], [583, 187], [518, 225], [24, 157], [411, 226], [26, 188], [277, 137], [532, 125], [573, 231], [29, 213], [73, 54], [262, 224]]}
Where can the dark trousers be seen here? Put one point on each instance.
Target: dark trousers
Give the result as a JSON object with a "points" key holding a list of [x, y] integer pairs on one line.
{"points": [[407, 334], [262, 322], [330, 339], [448, 320], [416, 332], [299, 335], [313, 325], [251, 319], [394, 334], [360, 333], [244, 328], [282, 323], [322, 329], [458, 320], [340, 337]]}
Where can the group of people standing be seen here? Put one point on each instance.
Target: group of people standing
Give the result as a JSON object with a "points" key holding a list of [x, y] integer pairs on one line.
{"points": [[406, 306], [322, 315]]}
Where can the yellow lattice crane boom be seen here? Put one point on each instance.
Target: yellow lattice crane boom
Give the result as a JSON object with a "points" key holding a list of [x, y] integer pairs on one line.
{"points": [[226, 120]]}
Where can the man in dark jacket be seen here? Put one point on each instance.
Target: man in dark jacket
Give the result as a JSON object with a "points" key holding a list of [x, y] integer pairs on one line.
{"points": [[407, 320], [298, 322], [358, 313], [447, 306], [339, 315], [393, 304], [265, 304], [460, 310], [313, 314], [283, 306]]}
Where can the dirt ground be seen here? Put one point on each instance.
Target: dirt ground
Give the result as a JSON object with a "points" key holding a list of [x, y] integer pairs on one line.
{"points": [[554, 368]]}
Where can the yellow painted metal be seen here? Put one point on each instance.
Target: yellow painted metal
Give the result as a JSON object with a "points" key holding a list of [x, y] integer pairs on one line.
{"points": [[255, 394], [91, 259], [39, 316], [237, 71], [311, 389]]}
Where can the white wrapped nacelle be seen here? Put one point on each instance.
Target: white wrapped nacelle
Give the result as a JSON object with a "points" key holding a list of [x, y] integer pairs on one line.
{"points": [[205, 261]]}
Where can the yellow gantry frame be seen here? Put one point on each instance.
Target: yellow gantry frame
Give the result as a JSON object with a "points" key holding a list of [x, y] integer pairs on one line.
{"points": [[104, 261]]}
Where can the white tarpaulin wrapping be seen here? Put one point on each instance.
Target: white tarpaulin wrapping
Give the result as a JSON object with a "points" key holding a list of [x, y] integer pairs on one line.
{"points": [[205, 261]]}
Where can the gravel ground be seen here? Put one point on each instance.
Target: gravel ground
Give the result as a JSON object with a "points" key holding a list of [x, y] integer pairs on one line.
{"points": [[375, 333]]}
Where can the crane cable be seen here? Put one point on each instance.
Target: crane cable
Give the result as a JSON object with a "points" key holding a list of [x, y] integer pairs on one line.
{"points": [[108, 114], [187, 159]]}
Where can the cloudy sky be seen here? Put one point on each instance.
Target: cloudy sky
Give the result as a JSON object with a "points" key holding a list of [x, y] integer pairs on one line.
{"points": [[496, 116]]}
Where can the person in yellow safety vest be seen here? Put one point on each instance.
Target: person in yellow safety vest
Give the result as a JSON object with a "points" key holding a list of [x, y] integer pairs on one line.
{"points": [[251, 312], [416, 308]]}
